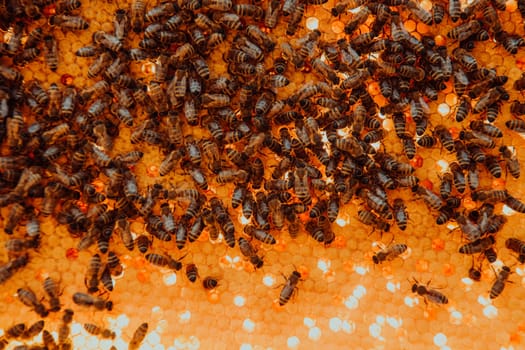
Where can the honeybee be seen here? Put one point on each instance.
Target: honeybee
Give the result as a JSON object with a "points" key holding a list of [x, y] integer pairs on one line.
{"points": [[28, 298], [432, 295], [389, 253], [163, 260], [138, 336], [369, 218], [517, 246], [289, 288], [210, 283], [499, 283], [191, 272], [463, 31], [89, 300], [478, 246], [511, 161], [445, 137], [114, 264], [52, 289], [51, 52], [96, 330], [259, 234], [69, 22]]}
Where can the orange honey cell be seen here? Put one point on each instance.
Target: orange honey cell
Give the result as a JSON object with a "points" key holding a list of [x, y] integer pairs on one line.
{"points": [[448, 270], [339, 242], [438, 244], [454, 132], [417, 161], [338, 27], [426, 183], [72, 253], [280, 245], [143, 276], [469, 204], [422, 265], [303, 270], [213, 296], [152, 171], [515, 338], [99, 185], [498, 184], [67, 79]]}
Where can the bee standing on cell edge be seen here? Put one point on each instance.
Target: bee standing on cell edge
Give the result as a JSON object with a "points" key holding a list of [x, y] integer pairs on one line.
{"points": [[52, 289], [28, 297], [138, 336], [499, 283], [389, 253], [289, 288], [430, 294], [210, 283]]}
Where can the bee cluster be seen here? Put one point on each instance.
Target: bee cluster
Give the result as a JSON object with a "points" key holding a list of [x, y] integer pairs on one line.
{"points": [[323, 136]]}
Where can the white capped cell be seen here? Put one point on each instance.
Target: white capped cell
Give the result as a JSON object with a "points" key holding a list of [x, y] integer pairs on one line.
{"points": [[351, 302], [443, 165], [248, 325], [443, 109], [239, 300], [490, 311], [361, 270], [246, 346], [394, 322], [193, 343], [105, 344], [341, 222], [314, 333], [243, 220], [506, 210], [348, 326], [293, 342], [392, 286], [169, 279], [375, 330], [456, 317], [483, 300], [184, 317], [467, 281], [359, 291], [309, 322], [122, 321], [323, 265], [312, 23], [440, 339], [376, 145], [380, 320], [335, 324], [152, 338], [268, 280], [411, 302], [79, 342], [76, 328], [520, 271]]}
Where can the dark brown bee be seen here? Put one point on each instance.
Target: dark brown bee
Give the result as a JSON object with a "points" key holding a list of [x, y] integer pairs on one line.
{"points": [[16, 330], [511, 162], [431, 199], [52, 289], [289, 288], [431, 294], [89, 300], [371, 219], [105, 278], [477, 246], [114, 264], [389, 253], [400, 214], [259, 234], [191, 272], [68, 22], [66, 6], [444, 136], [96, 330], [499, 283], [91, 279], [138, 336], [210, 283], [51, 52], [463, 31], [517, 246], [28, 298], [33, 330]]}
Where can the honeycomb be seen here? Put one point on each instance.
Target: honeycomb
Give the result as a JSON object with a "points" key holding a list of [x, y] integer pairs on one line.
{"points": [[342, 297]]}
